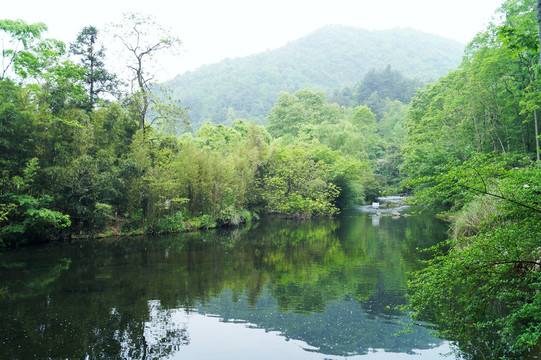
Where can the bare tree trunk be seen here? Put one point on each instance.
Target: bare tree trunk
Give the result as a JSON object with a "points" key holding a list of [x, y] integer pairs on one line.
{"points": [[539, 24], [536, 133], [477, 135], [535, 112]]}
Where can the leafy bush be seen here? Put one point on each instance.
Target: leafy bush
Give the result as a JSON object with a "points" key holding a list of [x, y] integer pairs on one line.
{"points": [[133, 221], [297, 184], [202, 222], [169, 224], [25, 218], [233, 216], [484, 292], [100, 217]]}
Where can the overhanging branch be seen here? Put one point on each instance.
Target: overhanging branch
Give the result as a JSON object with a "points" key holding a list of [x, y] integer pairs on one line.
{"points": [[537, 210]]}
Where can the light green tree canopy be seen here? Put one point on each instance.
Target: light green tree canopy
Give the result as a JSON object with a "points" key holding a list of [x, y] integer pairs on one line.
{"points": [[18, 37]]}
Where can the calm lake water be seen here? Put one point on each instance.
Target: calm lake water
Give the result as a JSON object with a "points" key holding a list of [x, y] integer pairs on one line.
{"points": [[323, 289]]}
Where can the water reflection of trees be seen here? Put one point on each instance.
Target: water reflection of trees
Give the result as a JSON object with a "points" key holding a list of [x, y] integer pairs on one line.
{"points": [[115, 299]]}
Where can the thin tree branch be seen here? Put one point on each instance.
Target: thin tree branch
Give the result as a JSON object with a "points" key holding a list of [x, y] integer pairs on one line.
{"points": [[537, 210]]}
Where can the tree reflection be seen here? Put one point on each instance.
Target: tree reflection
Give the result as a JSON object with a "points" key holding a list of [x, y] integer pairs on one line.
{"points": [[115, 299]]}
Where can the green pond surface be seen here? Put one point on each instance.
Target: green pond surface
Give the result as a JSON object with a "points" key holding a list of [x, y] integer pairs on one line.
{"points": [[279, 289]]}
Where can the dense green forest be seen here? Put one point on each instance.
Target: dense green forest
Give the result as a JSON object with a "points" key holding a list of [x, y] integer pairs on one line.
{"points": [[472, 148], [330, 59], [83, 153]]}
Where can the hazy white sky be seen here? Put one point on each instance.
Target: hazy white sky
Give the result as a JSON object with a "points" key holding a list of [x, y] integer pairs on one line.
{"points": [[212, 30]]}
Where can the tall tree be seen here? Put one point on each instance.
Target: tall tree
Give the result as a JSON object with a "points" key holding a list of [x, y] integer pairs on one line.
{"points": [[539, 27], [539, 24], [92, 55], [519, 35], [142, 37]]}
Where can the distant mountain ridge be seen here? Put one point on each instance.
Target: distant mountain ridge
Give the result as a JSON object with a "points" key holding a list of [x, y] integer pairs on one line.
{"points": [[330, 58]]}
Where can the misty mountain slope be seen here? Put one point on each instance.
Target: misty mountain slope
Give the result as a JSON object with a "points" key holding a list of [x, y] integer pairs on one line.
{"points": [[330, 58]]}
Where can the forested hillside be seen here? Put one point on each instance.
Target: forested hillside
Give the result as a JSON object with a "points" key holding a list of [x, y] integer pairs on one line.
{"points": [[329, 59]]}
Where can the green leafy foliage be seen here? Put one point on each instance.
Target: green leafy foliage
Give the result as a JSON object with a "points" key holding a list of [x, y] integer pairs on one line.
{"points": [[18, 128], [21, 38], [299, 183], [307, 116], [484, 106], [25, 217], [168, 224], [484, 293], [355, 134], [470, 144], [211, 175], [455, 186], [234, 217]]}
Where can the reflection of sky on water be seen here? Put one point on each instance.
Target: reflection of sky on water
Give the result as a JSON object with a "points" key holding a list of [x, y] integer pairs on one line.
{"points": [[223, 328], [211, 338]]}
